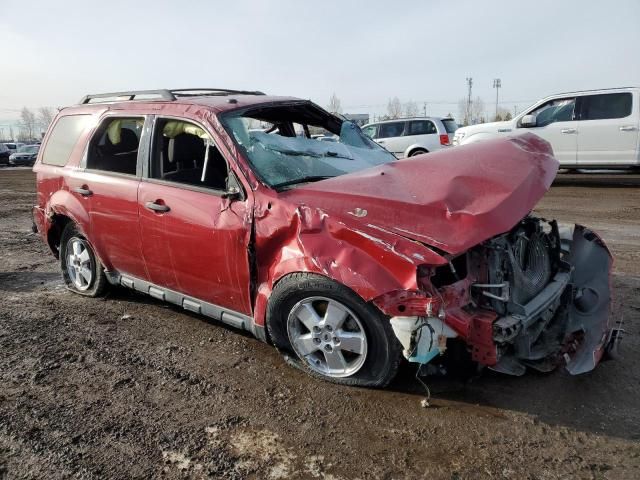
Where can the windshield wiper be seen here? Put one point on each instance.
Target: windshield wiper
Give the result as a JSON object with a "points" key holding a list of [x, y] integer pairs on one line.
{"points": [[308, 178]]}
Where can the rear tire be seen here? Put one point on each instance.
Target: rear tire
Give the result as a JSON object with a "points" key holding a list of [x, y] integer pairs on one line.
{"points": [[333, 333], [418, 151], [81, 270]]}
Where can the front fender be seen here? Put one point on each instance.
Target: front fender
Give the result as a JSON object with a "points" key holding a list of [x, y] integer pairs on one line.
{"points": [[368, 260]]}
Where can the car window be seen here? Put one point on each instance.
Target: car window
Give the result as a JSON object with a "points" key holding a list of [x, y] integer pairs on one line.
{"points": [[114, 145], [392, 129], [63, 139], [421, 127], [558, 110], [450, 125], [369, 131], [609, 105], [184, 153]]}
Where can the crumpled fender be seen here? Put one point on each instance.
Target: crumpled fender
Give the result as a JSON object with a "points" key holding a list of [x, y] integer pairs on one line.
{"points": [[591, 307], [369, 260]]}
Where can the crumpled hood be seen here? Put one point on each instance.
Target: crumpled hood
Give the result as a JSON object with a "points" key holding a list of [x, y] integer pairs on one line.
{"points": [[452, 199]]}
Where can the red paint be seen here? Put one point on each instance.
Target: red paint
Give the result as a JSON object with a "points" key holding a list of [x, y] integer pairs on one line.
{"points": [[416, 209]]}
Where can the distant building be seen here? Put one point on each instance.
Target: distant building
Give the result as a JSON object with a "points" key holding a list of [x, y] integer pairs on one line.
{"points": [[358, 118]]}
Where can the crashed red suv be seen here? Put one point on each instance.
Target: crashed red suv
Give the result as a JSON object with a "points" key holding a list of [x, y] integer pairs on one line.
{"points": [[343, 257]]}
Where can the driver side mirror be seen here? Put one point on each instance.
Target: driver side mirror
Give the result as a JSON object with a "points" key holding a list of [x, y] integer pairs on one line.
{"points": [[232, 193], [528, 121]]}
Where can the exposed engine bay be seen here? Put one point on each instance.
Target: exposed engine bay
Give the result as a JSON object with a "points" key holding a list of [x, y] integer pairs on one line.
{"points": [[537, 296]]}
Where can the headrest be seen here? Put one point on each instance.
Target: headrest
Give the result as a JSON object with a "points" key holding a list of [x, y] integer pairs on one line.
{"points": [[185, 147]]}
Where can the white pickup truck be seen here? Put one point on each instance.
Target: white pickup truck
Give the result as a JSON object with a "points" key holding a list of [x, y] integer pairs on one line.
{"points": [[588, 129]]}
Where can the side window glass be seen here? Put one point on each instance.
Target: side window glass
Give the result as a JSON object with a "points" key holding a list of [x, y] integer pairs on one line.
{"points": [[392, 129], [114, 146], [559, 110], [421, 127], [369, 131], [63, 139], [609, 105], [184, 153]]}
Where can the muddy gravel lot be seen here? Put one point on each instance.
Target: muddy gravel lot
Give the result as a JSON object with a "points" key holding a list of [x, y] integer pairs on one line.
{"points": [[127, 387]]}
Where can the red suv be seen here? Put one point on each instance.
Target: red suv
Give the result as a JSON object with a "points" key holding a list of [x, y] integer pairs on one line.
{"points": [[224, 203]]}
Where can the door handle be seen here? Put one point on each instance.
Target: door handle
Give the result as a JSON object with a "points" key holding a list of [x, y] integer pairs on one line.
{"points": [[568, 130], [83, 190], [157, 207], [627, 128]]}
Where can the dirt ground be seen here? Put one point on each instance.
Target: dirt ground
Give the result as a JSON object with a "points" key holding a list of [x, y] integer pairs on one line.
{"points": [[127, 387]]}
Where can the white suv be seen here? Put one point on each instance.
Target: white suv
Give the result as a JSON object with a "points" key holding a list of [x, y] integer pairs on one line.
{"points": [[407, 137], [588, 129]]}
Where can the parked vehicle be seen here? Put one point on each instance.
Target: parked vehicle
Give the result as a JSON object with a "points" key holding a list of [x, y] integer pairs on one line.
{"points": [[4, 154], [340, 255], [25, 156], [408, 137], [13, 146], [588, 129]]}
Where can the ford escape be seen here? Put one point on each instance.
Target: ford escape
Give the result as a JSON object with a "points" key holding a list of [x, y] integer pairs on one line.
{"points": [[341, 256]]}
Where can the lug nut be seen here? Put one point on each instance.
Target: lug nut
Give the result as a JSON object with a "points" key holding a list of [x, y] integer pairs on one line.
{"points": [[329, 328], [336, 340], [316, 340], [328, 348], [316, 329]]}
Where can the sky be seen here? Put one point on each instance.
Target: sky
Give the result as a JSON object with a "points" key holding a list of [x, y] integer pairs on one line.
{"points": [[54, 52]]}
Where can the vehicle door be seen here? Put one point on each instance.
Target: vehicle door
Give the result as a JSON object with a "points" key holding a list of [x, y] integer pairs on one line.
{"points": [[556, 123], [423, 133], [108, 181], [390, 136], [195, 236], [608, 129]]}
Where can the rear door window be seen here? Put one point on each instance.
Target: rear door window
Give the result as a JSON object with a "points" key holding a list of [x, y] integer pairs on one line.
{"points": [[421, 127], [114, 146], [391, 129], [605, 106], [63, 139], [450, 125]]}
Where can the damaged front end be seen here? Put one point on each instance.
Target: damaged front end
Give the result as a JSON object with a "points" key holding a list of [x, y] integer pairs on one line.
{"points": [[536, 296]]}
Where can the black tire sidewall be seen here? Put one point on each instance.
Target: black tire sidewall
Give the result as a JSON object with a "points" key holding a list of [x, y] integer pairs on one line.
{"points": [[418, 151], [383, 349]]}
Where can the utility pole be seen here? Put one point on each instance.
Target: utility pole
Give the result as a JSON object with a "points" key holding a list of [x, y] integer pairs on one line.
{"points": [[469, 84], [497, 84], [424, 109]]}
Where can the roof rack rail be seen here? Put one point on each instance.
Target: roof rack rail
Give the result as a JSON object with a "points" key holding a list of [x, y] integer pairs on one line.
{"points": [[164, 94], [203, 92], [128, 96]]}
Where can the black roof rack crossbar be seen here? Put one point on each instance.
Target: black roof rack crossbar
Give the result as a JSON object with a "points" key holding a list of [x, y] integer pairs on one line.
{"points": [[203, 92], [131, 95]]}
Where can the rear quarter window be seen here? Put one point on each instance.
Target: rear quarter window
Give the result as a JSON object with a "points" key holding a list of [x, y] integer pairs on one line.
{"points": [[63, 139], [450, 125]]}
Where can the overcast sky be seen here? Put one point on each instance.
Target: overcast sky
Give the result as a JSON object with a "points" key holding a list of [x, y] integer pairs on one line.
{"points": [[54, 52]]}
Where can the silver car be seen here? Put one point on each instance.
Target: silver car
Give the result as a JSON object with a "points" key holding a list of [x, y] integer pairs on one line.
{"points": [[407, 137]]}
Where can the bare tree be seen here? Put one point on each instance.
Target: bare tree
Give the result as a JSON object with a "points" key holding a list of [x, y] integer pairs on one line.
{"points": [[507, 116], [28, 122], [410, 109], [394, 108], [464, 112], [478, 111], [45, 117], [334, 104], [11, 134], [502, 115]]}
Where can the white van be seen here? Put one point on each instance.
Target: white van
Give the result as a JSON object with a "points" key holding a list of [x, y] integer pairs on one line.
{"points": [[588, 129], [408, 137]]}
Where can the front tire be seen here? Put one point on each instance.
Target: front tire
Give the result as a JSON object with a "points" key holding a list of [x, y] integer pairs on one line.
{"points": [[81, 270], [334, 334]]}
